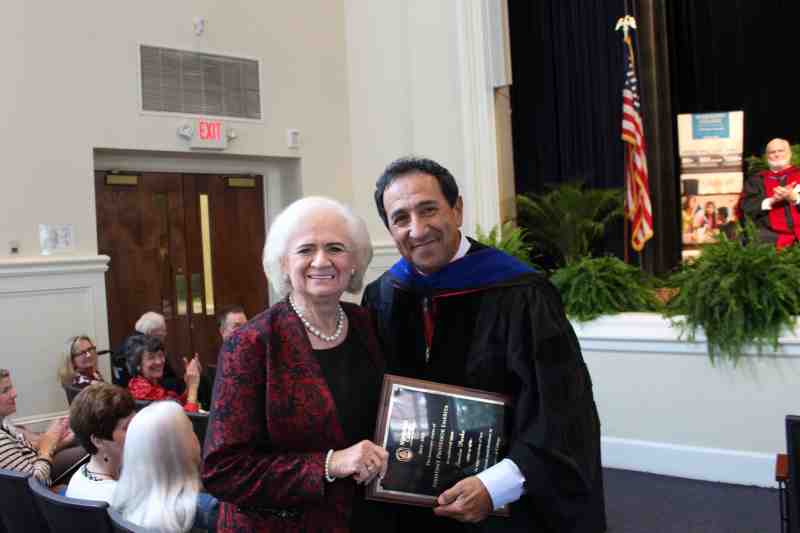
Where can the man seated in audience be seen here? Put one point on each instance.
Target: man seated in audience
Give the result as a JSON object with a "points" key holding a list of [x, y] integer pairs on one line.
{"points": [[771, 198], [45, 455], [230, 319]]}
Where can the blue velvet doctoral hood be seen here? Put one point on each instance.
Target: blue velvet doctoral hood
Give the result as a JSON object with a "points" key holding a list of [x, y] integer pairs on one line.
{"points": [[481, 267]]}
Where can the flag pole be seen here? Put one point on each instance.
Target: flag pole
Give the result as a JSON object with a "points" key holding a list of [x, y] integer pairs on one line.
{"points": [[638, 208], [623, 23]]}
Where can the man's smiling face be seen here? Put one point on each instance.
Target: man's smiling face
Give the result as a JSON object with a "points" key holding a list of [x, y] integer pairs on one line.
{"points": [[423, 225]]}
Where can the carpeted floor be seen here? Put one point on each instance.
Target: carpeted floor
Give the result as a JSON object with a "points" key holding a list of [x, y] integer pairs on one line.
{"points": [[646, 503]]}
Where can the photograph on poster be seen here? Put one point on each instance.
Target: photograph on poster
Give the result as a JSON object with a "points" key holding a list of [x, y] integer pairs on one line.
{"points": [[705, 217]]}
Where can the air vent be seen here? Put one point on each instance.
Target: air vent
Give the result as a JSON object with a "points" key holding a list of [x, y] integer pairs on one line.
{"points": [[177, 81]]}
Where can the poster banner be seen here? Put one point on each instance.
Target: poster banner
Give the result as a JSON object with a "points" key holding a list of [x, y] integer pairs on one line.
{"points": [[710, 146]]}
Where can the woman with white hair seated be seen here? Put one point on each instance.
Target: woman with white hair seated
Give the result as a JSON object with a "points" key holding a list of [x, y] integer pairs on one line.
{"points": [[297, 387], [159, 487]]}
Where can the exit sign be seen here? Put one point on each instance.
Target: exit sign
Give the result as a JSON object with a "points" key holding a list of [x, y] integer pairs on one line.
{"points": [[209, 135]]}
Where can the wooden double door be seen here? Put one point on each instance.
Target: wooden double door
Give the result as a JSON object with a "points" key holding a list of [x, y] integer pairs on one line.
{"points": [[183, 245]]}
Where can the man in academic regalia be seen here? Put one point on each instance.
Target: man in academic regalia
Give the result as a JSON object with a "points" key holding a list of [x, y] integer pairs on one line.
{"points": [[771, 198], [457, 312]]}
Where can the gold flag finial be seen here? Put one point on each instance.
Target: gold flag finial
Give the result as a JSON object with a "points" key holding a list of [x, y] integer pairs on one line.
{"points": [[624, 23]]}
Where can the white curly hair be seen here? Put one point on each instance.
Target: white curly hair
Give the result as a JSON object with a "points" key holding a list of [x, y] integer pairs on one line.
{"points": [[291, 219]]}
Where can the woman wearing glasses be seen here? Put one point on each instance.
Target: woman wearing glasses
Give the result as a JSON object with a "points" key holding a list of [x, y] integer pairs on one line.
{"points": [[144, 356], [80, 363]]}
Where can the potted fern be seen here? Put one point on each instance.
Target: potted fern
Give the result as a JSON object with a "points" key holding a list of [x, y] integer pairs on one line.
{"points": [[594, 286], [739, 294], [564, 224], [509, 239]]}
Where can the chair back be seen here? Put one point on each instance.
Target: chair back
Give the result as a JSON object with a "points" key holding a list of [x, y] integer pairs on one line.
{"points": [[199, 424], [18, 512], [120, 525], [119, 370], [71, 391], [793, 484], [70, 515], [141, 404]]}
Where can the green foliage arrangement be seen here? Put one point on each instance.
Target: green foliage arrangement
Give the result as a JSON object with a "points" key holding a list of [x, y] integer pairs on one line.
{"points": [[739, 294], [510, 239], [757, 163], [564, 222], [591, 287]]}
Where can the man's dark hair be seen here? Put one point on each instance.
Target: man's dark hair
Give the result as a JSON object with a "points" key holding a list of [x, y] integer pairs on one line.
{"points": [[222, 316], [723, 212], [414, 165]]}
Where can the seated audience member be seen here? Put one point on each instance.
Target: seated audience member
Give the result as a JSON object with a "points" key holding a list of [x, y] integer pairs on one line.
{"points": [[159, 487], [230, 319], [154, 325], [80, 363], [99, 416], [771, 198], [144, 356], [25, 451]]}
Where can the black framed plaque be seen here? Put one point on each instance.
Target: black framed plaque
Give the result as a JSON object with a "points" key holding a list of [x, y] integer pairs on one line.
{"points": [[436, 435]]}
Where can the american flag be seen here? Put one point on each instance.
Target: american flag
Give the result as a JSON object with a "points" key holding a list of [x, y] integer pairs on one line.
{"points": [[637, 201]]}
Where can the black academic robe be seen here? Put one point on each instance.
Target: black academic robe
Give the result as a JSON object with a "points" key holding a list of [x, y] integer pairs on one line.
{"points": [[513, 338]]}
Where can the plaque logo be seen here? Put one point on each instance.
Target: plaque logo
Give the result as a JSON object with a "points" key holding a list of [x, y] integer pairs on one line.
{"points": [[404, 455]]}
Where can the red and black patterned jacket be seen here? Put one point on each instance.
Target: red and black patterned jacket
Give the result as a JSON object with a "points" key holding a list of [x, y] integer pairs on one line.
{"points": [[272, 421]]}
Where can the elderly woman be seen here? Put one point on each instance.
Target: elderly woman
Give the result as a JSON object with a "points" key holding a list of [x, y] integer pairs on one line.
{"points": [[297, 387], [99, 416], [160, 485], [24, 451], [155, 325], [79, 368], [144, 356]]}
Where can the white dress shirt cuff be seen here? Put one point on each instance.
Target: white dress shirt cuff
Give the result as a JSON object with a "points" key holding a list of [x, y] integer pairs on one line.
{"points": [[766, 205], [504, 481]]}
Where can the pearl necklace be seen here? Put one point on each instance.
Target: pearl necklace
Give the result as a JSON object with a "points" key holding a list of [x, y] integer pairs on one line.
{"points": [[317, 332]]}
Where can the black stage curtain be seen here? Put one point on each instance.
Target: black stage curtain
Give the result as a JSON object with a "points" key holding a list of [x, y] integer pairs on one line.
{"points": [[694, 56], [566, 95], [727, 55]]}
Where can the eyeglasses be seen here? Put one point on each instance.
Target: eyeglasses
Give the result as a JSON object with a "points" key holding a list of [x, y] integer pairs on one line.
{"points": [[86, 353]]}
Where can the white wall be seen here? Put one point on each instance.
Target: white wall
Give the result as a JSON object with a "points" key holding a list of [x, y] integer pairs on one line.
{"points": [[665, 408], [70, 86], [404, 92], [365, 82], [77, 74]]}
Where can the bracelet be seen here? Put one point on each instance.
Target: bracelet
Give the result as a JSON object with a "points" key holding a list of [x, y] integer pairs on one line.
{"points": [[328, 477]]}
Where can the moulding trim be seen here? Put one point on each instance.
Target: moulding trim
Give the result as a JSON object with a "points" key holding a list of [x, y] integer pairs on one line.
{"points": [[53, 265]]}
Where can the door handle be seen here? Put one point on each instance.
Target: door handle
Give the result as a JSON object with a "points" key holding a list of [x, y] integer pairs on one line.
{"points": [[197, 299], [180, 292]]}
